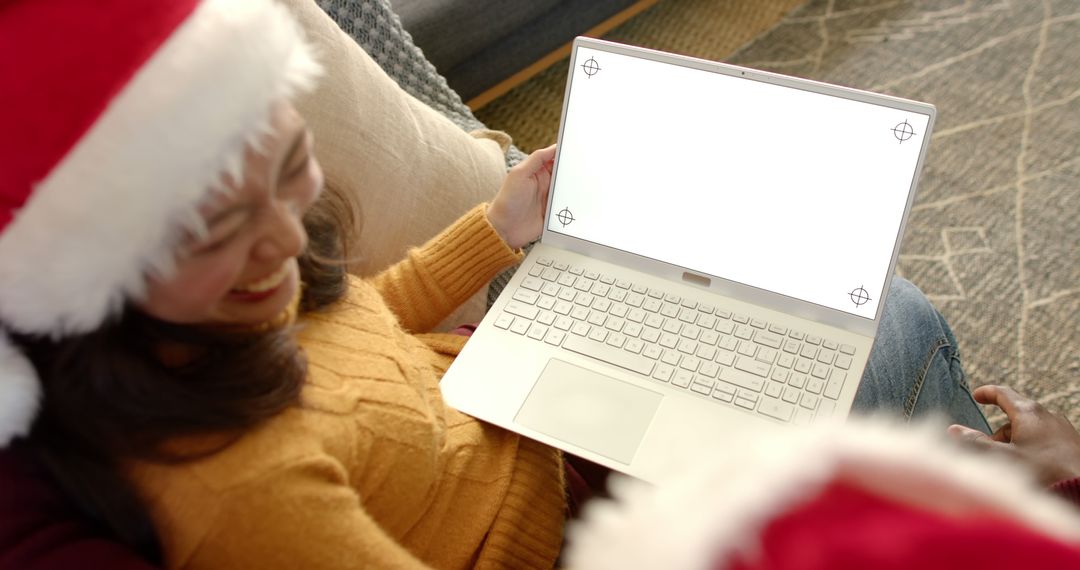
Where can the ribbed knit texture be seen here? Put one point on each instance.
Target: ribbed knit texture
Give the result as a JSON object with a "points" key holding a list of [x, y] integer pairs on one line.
{"points": [[373, 470], [1068, 489]]}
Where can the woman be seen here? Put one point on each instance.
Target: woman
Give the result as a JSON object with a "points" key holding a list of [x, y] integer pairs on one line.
{"points": [[151, 260]]}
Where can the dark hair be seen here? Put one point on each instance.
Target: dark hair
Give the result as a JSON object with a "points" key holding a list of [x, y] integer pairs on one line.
{"points": [[108, 397]]}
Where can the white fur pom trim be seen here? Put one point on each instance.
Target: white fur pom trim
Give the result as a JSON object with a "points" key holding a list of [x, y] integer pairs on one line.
{"points": [[20, 392], [720, 507], [113, 209]]}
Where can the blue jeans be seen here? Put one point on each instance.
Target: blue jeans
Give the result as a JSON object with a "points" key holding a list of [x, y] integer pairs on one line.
{"points": [[914, 368]]}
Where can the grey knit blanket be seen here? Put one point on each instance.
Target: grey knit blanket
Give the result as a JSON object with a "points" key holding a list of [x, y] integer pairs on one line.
{"points": [[378, 30]]}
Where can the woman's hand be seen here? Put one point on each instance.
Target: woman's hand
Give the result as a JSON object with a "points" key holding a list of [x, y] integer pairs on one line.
{"points": [[1047, 442], [517, 212]]}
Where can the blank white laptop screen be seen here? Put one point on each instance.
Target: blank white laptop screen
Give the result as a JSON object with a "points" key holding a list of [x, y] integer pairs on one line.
{"points": [[786, 190]]}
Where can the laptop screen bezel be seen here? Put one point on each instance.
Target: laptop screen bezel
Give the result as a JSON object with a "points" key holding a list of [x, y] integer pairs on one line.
{"points": [[716, 284]]}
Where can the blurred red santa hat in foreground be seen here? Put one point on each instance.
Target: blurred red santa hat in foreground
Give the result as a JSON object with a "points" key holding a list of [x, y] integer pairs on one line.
{"points": [[865, 494]]}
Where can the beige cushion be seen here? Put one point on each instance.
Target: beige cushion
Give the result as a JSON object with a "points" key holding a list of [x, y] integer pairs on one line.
{"points": [[412, 171]]}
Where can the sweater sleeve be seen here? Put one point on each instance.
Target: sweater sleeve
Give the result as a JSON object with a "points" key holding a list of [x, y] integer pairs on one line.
{"points": [[303, 515], [435, 278]]}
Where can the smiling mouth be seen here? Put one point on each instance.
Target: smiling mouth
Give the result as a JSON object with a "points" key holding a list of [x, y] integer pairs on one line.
{"points": [[265, 284]]}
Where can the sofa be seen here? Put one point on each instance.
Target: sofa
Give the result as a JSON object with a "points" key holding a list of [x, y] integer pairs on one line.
{"points": [[476, 44]]}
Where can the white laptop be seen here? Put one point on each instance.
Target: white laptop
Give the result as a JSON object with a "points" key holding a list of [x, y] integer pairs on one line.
{"points": [[717, 250]]}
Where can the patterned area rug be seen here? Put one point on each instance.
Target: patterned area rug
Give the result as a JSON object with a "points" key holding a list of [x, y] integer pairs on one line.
{"points": [[994, 238]]}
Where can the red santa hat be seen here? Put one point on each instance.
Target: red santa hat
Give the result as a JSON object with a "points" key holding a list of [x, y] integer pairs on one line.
{"points": [[845, 497], [119, 118]]}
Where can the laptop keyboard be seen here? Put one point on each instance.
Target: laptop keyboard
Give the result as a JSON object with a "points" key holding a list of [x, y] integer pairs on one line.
{"points": [[727, 358]]}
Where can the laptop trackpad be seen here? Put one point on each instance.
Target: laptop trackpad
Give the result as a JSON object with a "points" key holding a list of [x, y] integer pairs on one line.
{"points": [[590, 410]]}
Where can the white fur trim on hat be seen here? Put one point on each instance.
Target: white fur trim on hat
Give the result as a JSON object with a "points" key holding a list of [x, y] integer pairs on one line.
{"points": [[721, 505], [113, 209], [19, 392]]}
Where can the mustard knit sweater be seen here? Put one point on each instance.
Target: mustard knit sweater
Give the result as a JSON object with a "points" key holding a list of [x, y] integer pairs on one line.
{"points": [[372, 469]]}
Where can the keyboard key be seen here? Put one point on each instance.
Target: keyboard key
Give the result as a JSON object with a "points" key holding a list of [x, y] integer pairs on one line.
{"points": [[650, 335], [688, 315], [581, 329], [706, 352], [634, 345], [504, 321], [778, 330], [654, 293], [616, 339], [757, 323], [748, 349], [555, 337], [652, 305], [671, 357], [701, 388], [742, 379], [615, 324], [598, 334], [536, 271], [744, 332], [682, 378], [663, 372], [836, 383], [797, 380], [550, 275], [803, 365], [622, 284], [686, 345], [592, 275], [567, 294], [843, 362], [531, 283], [546, 318], [774, 389], [709, 369], [829, 344], [740, 318], [826, 356], [652, 351], [562, 307], [689, 303], [820, 371], [690, 331], [776, 409], [654, 321], [752, 366], [577, 270], [566, 280], [725, 388], [668, 340], [607, 280], [672, 298], [546, 302], [612, 356], [766, 355], [706, 321], [744, 401], [809, 401], [526, 296], [597, 318], [813, 339], [707, 309], [543, 261], [725, 327], [639, 289], [847, 349], [797, 335], [780, 375], [617, 295], [519, 309], [768, 339], [728, 343], [618, 309], [791, 395], [826, 409], [632, 329], [709, 337], [669, 310], [634, 300], [579, 313], [672, 326], [723, 396], [809, 351], [563, 323], [786, 360], [814, 385], [601, 304], [520, 326], [690, 363]]}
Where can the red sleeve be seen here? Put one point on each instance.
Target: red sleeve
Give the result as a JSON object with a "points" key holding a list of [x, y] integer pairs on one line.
{"points": [[1069, 489], [38, 530]]}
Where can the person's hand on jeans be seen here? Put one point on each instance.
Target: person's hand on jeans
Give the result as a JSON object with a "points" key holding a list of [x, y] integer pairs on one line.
{"points": [[517, 212], [1045, 441]]}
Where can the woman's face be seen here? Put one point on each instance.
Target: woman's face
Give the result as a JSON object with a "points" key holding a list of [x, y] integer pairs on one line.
{"points": [[244, 270]]}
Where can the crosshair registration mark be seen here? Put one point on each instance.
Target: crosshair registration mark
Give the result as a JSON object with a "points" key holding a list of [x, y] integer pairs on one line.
{"points": [[565, 217], [859, 296], [903, 131], [591, 67]]}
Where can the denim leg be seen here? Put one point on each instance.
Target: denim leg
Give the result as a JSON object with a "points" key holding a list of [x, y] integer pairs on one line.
{"points": [[914, 367]]}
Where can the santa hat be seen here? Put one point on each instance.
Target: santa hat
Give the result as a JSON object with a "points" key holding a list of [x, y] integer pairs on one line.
{"points": [[865, 494], [120, 117]]}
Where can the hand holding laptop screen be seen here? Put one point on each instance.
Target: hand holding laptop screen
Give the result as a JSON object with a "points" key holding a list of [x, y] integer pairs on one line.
{"points": [[787, 190]]}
